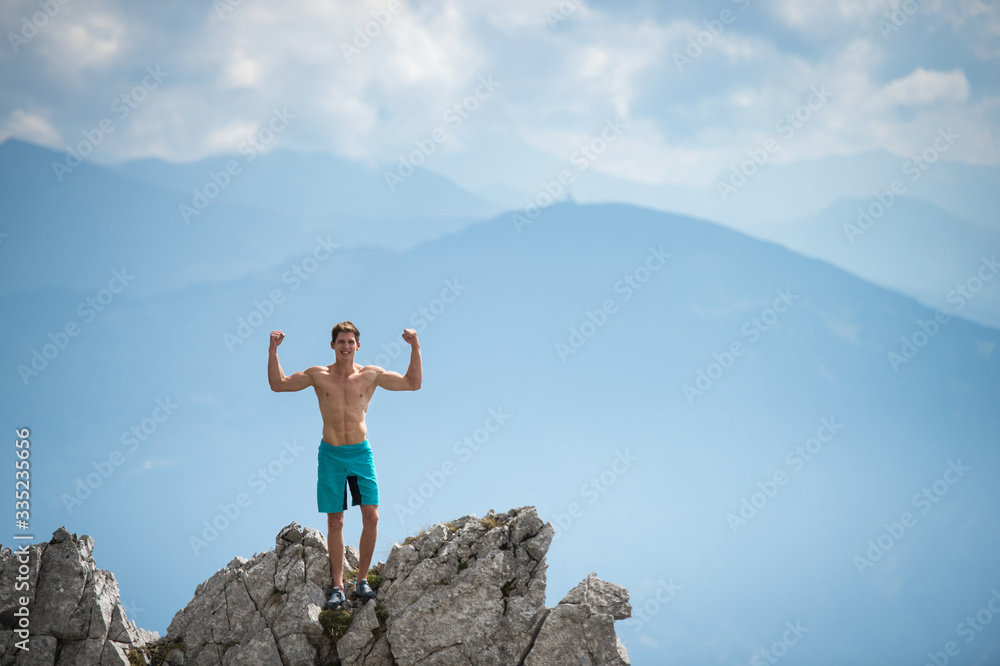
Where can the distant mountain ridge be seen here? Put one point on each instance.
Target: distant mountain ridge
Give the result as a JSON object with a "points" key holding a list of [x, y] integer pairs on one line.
{"points": [[945, 219], [149, 207]]}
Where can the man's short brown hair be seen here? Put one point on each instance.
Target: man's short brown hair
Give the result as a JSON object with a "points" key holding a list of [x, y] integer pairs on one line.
{"points": [[345, 327]]}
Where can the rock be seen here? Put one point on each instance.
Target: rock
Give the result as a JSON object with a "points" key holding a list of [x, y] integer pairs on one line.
{"points": [[74, 607], [351, 647], [265, 610], [583, 623], [467, 592], [471, 591]]}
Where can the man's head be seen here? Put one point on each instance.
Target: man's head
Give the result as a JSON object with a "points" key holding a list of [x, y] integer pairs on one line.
{"points": [[345, 339]]}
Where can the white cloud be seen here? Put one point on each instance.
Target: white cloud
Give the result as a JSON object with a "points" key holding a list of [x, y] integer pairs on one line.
{"points": [[228, 137], [241, 71], [515, 16], [76, 40], [923, 87], [30, 126], [391, 87], [818, 15]]}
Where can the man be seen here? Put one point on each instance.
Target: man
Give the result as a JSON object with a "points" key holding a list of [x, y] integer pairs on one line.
{"points": [[344, 390]]}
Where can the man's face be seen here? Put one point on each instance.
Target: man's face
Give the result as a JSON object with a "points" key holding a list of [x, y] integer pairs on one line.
{"points": [[345, 345]]}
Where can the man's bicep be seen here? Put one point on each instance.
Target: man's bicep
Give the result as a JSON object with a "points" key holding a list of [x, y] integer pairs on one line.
{"points": [[391, 381], [297, 381]]}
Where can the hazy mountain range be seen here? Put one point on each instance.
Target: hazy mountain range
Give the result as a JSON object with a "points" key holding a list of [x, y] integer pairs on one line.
{"points": [[724, 426], [926, 242]]}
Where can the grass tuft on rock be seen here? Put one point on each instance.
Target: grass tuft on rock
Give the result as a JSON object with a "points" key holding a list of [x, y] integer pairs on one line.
{"points": [[153, 653], [410, 539], [374, 577], [335, 623], [382, 614], [489, 522]]}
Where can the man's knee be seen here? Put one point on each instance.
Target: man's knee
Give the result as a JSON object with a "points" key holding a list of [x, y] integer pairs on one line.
{"points": [[335, 521], [369, 515]]}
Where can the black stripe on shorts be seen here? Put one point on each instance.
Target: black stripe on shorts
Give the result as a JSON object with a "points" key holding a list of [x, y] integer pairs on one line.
{"points": [[352, 483]]}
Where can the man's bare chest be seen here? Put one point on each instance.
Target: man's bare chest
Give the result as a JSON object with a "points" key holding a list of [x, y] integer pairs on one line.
{"points": [[353, 390]]}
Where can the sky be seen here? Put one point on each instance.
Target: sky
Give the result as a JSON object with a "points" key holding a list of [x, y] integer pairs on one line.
{"points": [[697, 84], [496, 98]]}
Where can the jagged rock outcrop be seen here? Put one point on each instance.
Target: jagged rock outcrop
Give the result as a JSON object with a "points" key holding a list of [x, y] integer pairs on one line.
{"points": [[471, 591], [583, 623], [265, 610], [75, 615]]}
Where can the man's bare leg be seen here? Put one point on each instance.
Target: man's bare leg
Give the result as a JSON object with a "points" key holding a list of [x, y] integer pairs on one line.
{"points": [[369, 533], [335, 545]]}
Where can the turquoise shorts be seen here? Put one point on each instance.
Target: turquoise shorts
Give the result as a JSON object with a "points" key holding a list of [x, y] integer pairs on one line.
{"points": [[342, 468]]}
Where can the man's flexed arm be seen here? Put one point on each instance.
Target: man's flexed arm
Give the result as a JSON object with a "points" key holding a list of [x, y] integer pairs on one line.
{"points": [[393, 381], [275, 377]]}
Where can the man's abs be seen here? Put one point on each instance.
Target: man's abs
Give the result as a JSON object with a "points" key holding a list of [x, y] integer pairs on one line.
{"points": [[331, 436], [343, 404]]}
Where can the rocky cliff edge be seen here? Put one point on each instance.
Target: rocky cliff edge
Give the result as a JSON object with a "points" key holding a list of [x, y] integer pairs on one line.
{"points": [[471, 591]]}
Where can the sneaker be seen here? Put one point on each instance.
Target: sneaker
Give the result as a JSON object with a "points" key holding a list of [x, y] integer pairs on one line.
{"points": [[363, 590], [336, 600]]}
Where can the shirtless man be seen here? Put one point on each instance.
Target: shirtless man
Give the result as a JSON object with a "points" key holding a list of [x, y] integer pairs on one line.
{"points": [[345, 457]]}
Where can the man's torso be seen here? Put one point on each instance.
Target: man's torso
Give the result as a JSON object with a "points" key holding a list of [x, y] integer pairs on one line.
{"points": [[343, 402]]}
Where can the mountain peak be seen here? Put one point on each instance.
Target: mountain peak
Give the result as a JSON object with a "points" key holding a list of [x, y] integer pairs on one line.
{"points": [[467, 591]]}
